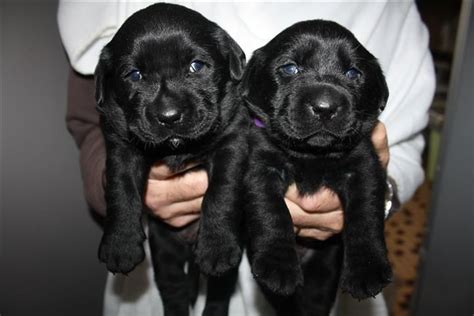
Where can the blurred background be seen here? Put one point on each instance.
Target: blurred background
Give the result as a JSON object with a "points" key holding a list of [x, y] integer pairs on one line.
{"points": [[48, 237]]}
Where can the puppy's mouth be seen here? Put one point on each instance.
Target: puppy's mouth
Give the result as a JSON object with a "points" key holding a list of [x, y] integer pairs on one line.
{"points": [[175, 142], [175, 136], [321, 136]]}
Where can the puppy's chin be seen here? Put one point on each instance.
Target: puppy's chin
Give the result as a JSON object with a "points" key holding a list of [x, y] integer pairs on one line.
{"points": [[322, 139], [309, 143]]}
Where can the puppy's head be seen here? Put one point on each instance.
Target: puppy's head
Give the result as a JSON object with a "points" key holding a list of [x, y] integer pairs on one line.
{"points": [[166, 76], [314, 85]]}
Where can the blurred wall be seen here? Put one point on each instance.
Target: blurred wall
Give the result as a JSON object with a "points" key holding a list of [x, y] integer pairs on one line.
{"points": [[445, 283], [48, 263]]}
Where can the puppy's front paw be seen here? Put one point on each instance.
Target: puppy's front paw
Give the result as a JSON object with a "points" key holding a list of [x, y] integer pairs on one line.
{"points": [[278, 270], [121, 251], [217, 255], [366, 279]]}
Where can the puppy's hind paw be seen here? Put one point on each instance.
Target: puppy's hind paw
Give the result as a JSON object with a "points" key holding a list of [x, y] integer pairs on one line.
{"points": [[216, 256], [366, 280], [120, 254], [278, 270]]}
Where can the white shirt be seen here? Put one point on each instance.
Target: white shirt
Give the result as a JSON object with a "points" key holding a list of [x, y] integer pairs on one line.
{"points": [[391, 30]]}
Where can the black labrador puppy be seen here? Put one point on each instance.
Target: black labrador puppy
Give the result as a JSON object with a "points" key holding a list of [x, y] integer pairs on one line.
{"points": [[316, 93], [166, 88]]}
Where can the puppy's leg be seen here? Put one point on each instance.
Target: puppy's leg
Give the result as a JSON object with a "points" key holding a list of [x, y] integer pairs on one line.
{"points": [[194, 276], [219, 246], [121, 247], [272, 252], [321, 265], [169, 256], [219, 291], [366, 270], [321, 270]]}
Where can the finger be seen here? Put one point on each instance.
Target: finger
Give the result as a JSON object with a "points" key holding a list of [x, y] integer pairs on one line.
{"points": [[182, 221], [190, 185], [379, 135], [315, 233], [160, 171], [380, 141], [178, 209], [330, 221], [324, 200]]}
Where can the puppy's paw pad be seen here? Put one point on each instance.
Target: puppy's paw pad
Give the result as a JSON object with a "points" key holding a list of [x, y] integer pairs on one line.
{"points": [[366, 280], [278, 270], [216, 256], [121, 253]]}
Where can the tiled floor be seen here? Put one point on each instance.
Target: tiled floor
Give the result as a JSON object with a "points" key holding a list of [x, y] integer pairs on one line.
{"points": [[404, 233]]}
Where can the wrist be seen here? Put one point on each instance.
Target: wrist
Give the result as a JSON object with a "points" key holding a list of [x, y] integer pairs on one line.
{"points": [[392, 202]]}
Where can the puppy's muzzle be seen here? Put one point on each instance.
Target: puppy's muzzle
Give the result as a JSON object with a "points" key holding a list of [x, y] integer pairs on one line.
{"points": [[326, 104]]}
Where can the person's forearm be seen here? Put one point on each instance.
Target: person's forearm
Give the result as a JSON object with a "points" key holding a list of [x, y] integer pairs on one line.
{"points": [[92, 162], [83, 124]]}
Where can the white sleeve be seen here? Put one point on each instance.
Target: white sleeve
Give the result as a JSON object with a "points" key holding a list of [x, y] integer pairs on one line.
{"points": [[411, 80], [86, 27], [404, 129]]}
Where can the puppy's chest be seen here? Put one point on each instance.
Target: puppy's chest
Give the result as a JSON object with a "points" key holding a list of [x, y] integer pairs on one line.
{"points": [[177, 162], [310, 175]]}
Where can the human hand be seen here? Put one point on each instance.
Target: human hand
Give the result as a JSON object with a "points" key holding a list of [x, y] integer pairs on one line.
{"points": [[320, 215], [175, 198], [317, 216], [380, 142]]}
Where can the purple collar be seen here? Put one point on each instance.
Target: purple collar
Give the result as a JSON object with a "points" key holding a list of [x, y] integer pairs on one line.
{"points": [[258, 123]]}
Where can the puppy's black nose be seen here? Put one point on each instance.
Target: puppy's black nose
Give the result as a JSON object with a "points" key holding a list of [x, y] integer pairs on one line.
{"points": [[169, 116], [325, 110]]}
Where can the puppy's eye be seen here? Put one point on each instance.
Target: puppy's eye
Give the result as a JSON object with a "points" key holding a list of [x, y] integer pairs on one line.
{"points": [[353, 74], [135, 75], [196, 66], [290, 69]]}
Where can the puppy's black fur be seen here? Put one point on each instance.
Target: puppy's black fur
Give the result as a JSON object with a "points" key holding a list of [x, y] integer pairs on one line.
{"points": [[166, 88], [318, 92]]}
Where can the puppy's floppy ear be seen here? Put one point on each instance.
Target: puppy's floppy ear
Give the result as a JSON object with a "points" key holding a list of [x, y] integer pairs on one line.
{"points": [[101, 76], [252, 86], [384, 93], [106, 106], [232, 52], [380, 85]]}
